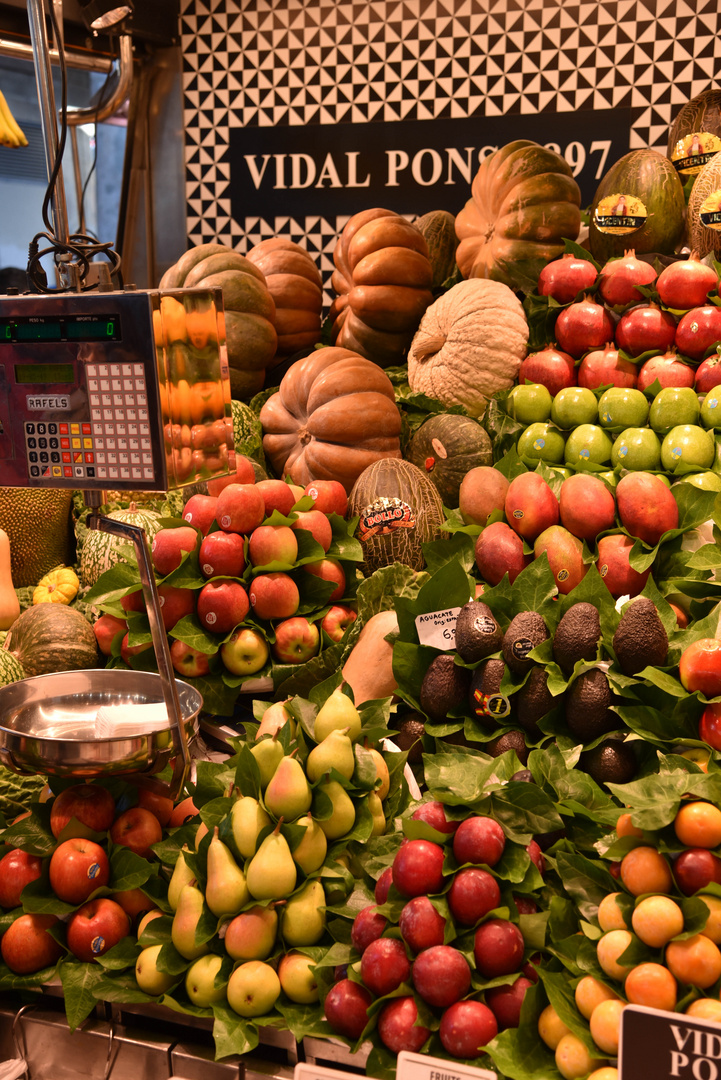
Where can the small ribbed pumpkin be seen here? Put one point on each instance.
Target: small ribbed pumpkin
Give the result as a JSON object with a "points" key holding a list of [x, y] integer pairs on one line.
{"points": [[295, 283]]}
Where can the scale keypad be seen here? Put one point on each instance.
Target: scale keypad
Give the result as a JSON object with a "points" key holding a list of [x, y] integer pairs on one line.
{"points": [[114, 444]]}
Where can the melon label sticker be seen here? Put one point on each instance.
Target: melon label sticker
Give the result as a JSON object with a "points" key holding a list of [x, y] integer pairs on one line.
{"points": [[658, 1045], [496, 705], [620, 214], [521, 648], [693, 151], [384, 516], [709, 212], [438, 628], [422, 1067]]}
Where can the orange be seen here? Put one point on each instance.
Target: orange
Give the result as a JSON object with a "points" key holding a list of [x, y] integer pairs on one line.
{"points": [[551, 1028], [712, 929], [624, 827], [698, 824], [705, 1009], [573, 1059], [644, 870]]}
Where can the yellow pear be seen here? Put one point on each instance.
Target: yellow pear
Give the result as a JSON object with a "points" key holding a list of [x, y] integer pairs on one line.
{"points": [[303, 917], [182, 875], [379, 819], [288, 793], [272, 874], [335, 752], [311, 851], [226, 891], [147, 974], [342, 819], [247, 821], [337, 713], [185, 922], [274, 718], [381, 771], [268, 753], [200, 981]]}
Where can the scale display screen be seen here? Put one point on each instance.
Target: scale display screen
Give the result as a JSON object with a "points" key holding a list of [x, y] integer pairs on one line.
{"points": [[39, 374], [22, 331]]}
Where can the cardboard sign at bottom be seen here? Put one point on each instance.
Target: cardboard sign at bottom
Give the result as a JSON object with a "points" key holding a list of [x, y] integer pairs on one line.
{"points": [[657, 1045], [422, 1067]]}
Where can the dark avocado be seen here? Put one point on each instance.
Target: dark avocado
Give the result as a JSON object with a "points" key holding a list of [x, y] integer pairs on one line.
{"points": [[485, 685], [640, 640], [576, 636], [533, 701], [477, 632], [510, 740], [587, 703], [611, 762], [444, 687], [525, 631], [523, 776], [411, 728]]}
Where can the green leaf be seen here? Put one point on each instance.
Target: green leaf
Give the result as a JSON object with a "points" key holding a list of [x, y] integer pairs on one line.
{"points": [[79, 984], [128, 870], [518, 1053], [586, 881], [232, 1034], [561, 997]]}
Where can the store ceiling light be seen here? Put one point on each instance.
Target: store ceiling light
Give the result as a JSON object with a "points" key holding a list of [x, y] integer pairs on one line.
{"points": [[102, 14]]}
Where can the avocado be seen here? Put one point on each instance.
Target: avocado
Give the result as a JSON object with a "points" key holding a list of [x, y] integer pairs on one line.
{"points": [[640, 640], [477, 632], [525, 631], [587, 703], [485, 685], [510, 740], [533, 701], [576, 636], [611, 762], [444, 687], [523, 776], [411, 728]]}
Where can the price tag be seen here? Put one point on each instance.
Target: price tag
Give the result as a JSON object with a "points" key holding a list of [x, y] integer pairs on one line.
{"points": [[304, 1071], [438, 628], [421, 1067], [658, 1045]]}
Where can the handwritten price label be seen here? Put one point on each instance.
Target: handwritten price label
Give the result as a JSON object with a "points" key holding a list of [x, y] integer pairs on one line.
{"points": [[438, 628]]}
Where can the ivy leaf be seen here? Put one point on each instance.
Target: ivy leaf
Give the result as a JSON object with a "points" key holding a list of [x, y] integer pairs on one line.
{"points": [[232, 1034], [79, 984]]}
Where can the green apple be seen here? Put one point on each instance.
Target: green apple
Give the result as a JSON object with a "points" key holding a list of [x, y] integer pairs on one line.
{"points": [[530, 403], [674, 406], [706, 481], [637, 449], [588, 442], [574, 405], [541, 442], [253, 989], [711, 408], [200, 981], [622, 407], [689, 445]]}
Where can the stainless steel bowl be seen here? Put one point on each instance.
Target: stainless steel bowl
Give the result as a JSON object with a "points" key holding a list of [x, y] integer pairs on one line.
{"points": [[47, 723]]}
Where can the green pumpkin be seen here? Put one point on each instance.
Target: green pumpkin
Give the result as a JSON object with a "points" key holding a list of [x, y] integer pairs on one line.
{"points": [[52, 637], [445, 448], [439, 229]]}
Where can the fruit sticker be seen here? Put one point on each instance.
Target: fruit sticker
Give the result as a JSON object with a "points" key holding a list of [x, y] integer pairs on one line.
{"points": [[620, 214], [710, 211], [691, 153], [521, 647], [384, 516], [496, 705]]}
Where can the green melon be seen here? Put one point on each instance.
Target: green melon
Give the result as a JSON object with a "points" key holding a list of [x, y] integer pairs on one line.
{"points": [[446, 447], [651, 178], [700, 116], [11, 670], [398, 509], [52, 637], [247, 432], [101, 550], [439, 229], [703, 233]]}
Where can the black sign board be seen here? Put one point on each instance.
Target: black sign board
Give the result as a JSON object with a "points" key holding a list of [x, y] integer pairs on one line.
{"points": [[409, 166], [658, 1045]]}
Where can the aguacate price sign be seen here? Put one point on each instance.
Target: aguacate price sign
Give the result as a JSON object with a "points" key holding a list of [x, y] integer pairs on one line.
{"points": [[658, 1045]]}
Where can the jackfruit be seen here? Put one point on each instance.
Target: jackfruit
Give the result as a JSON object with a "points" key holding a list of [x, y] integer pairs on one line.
{"points": [[38, 523]]}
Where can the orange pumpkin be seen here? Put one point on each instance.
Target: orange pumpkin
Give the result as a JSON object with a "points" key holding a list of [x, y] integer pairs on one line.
{"points": [[333, 416], [295, 283]]}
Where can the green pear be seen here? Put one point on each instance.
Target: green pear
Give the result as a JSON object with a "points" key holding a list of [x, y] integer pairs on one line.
{"points": [[246, 821], [379, 819], [185, 922], [253, 989], [297, 978], [251, 935], [311, 851], [274, 718], [148, 977], [272, 874], [200, 985], [156, 913], [381, 771], [182, 875], [342, 819], [226, 891], [337, 713], [268, 753], [335, 752], [288, 794], [303, 917]]}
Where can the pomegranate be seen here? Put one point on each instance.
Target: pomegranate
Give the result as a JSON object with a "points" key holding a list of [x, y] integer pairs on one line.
{"points": [[565, 278], [619, 277], [687, 283], [698, 331], [644, 328], [582, 326], [708, 374], [668, 369], [552, 368], [604, 367]]}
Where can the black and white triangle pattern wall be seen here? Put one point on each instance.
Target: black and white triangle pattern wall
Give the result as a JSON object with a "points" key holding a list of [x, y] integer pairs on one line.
{"points": [[259, 63]]}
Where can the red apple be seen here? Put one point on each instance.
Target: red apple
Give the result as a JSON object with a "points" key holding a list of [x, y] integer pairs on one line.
{"points": [[27, 946], [277, 495], [336, 621], [222, 605], [479, 840], [329, 570], [96, 927], [91, 805], [498, 948], [17, 869], [126, 651], [175, 604], [272, 543], [384, 966], [418, 868], [317, 525], [700, 667], [169, 545], [441, 976], [421, 924], [329, 496], [367, 926], [157, 804], [296, 640], [222, 555], [188, 661], [133, 601], [137, 829], [106, 629], [135, 903], [536, 857], [346, 1008], [398, 1026], [183, 812], [240, 508], [77, 868], [709, 727], [200, 512], [244, 474], [245, 652], [466, 1027], [274, 596]]}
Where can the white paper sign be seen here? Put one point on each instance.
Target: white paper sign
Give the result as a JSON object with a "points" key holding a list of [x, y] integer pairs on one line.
{"points": [[438, 628], [304, 1071], [421, 1067]]}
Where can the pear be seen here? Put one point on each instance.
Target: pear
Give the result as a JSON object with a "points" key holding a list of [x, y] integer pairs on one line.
{"points": [[303, 917], [336, 752], [200, 983], [246, 822], [251, 935], [185, 922], [268, 753], [342, 819], [381, 771], [200, 832], [311, 851], [226, 891], [288, 794], [337, 713], [297, 978], [147, 975], [182, 875], [149, 916], [273, 719], [379, 819], [272, 874], [253, 989]]}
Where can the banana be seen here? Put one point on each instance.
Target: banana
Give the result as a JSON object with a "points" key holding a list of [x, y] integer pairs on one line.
{"points": [[11, 134]]}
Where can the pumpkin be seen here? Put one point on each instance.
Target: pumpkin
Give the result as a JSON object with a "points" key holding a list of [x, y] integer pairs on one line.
{"points": [[250, 334], [10, 671], [524, 203], [469, 345], [101, 550], [695, 134], [398, 510], [39, 526], [439, 229], [648, 178], [60, 586], [295, 283], [333, 415], [382, 279], [704, 210], [52, 637], [447, 446]]}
